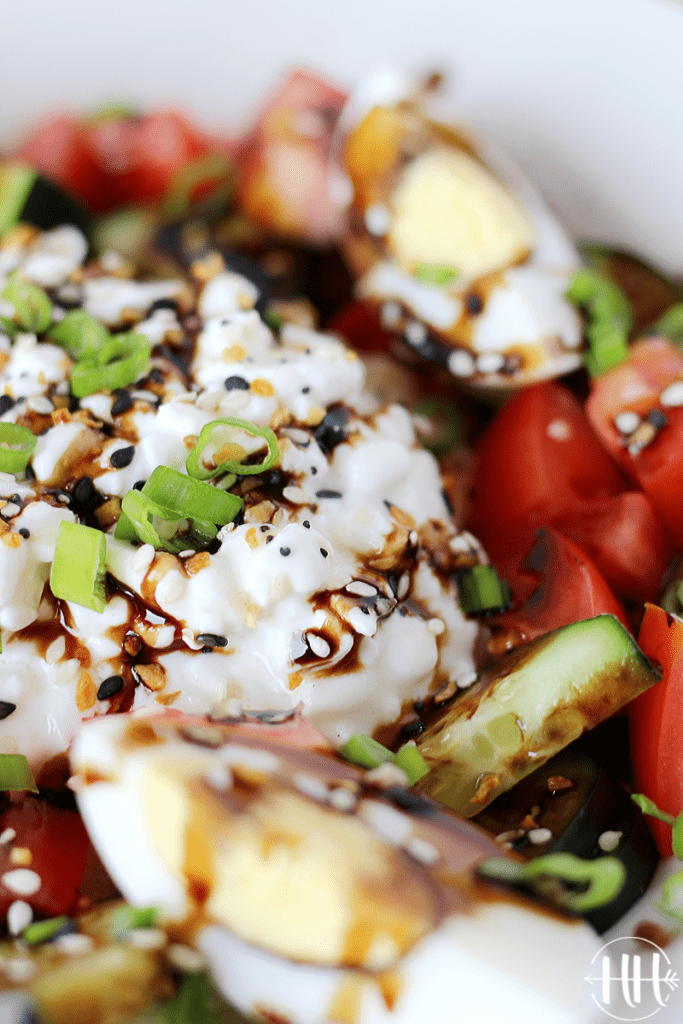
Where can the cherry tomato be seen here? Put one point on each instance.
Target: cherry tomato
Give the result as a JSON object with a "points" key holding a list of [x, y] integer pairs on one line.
{"points": [[656, 722], [541, 464], [565, 587], [58, 843], [636, 386], [58, 147]]}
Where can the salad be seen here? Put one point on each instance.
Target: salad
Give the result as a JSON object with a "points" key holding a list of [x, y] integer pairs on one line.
{"points": [[255, 636]]}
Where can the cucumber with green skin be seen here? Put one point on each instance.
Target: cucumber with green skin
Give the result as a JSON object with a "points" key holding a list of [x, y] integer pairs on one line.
{"points": [[26, 196], [527, 707]]}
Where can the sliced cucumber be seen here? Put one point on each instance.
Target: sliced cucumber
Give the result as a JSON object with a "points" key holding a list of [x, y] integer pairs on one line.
{"points": [[530, 705]]}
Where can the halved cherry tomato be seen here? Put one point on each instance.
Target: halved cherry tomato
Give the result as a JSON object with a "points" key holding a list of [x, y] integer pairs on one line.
{"points": [[565, 587], [540, 464], [58, 844], [656, 722], [58, 147]]}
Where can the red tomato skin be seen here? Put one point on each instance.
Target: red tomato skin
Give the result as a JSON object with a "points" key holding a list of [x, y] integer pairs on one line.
{"points": [[656, 722], [58, 843], [360, 328], [58, 148], [560, 585]]}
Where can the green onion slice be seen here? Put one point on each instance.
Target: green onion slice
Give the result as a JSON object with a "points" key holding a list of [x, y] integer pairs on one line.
{"points": [[481, 590], [671, 902], [650, 808], [669, 324], [196, 1002], [145, 520], [191, 498], [32, 307], [17, 444], [43, 931], [119, 362], [411, 761], [435, 273], [224, 444], [16, 181], [78, 567], [15, 773], [605, 876], [364, 751], [126, 918], [80, 334], [609, 318], [204, 180]]}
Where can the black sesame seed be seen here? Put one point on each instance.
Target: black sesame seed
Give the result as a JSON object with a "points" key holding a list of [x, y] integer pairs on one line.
{"points": [[264, 528], [285, 551], [211, 640], [156, 375], [82, 491], [25, 533], [419, 705], [365, 610], [139, 484], [323, 552], [403, 612], [412, 729], [306, 524], [328, 494], [6, 403], [409, 801], [269, 538], [206, 649], [314, 470], [163, 304], [304, 391], [330, 431], [122, 457], [109, 687], [236, 384], [656, 418], [474, 303], [122, 404], [6, 708]]}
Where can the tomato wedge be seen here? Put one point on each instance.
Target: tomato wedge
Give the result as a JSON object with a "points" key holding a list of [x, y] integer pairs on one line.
{"points": [[565, 587], [58, 845], [541, 464], [656, 722]]}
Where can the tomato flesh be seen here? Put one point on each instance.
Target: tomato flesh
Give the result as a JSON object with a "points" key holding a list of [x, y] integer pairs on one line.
{"points": [[656, 722]]}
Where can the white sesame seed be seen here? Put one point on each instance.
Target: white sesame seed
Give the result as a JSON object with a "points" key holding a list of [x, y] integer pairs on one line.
{"points": [[673, 395], [188, 636], [297, 495], [393, 825], [74, 943], [310, 786], [19, 916], [626, 422], [609, 840], [377, 219], [219, 777], [185, 959], [360, 588], [421, 850], [490, 362], [413, 537], [55, 651], [387, 775], [145, 396], [461, 363], [7, 835], [143, 558], [559, 430], [436, 626], [22, 881], [147, 938], [10, 509], [465, 680], [539, 836], [40, 404], [228, 708], [170, 588], [508, 838], [415, 332], [390, 315], [342, 799], [318, 645], [19, 969], [299, 437], [403, 586], [66, 671]]}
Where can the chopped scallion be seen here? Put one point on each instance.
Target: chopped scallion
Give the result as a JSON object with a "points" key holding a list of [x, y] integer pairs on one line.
{"points": [[669, 325], [191, 498], [80, 334], [126, 918], [409, 759], [32, 306], [119, 362], [481, 590], [435, 273], [43, 931], [364, 751], [609, 318], [78, 567], [17, 444], [141, 519], [15, 773], [605, 876], [223, 445]]}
